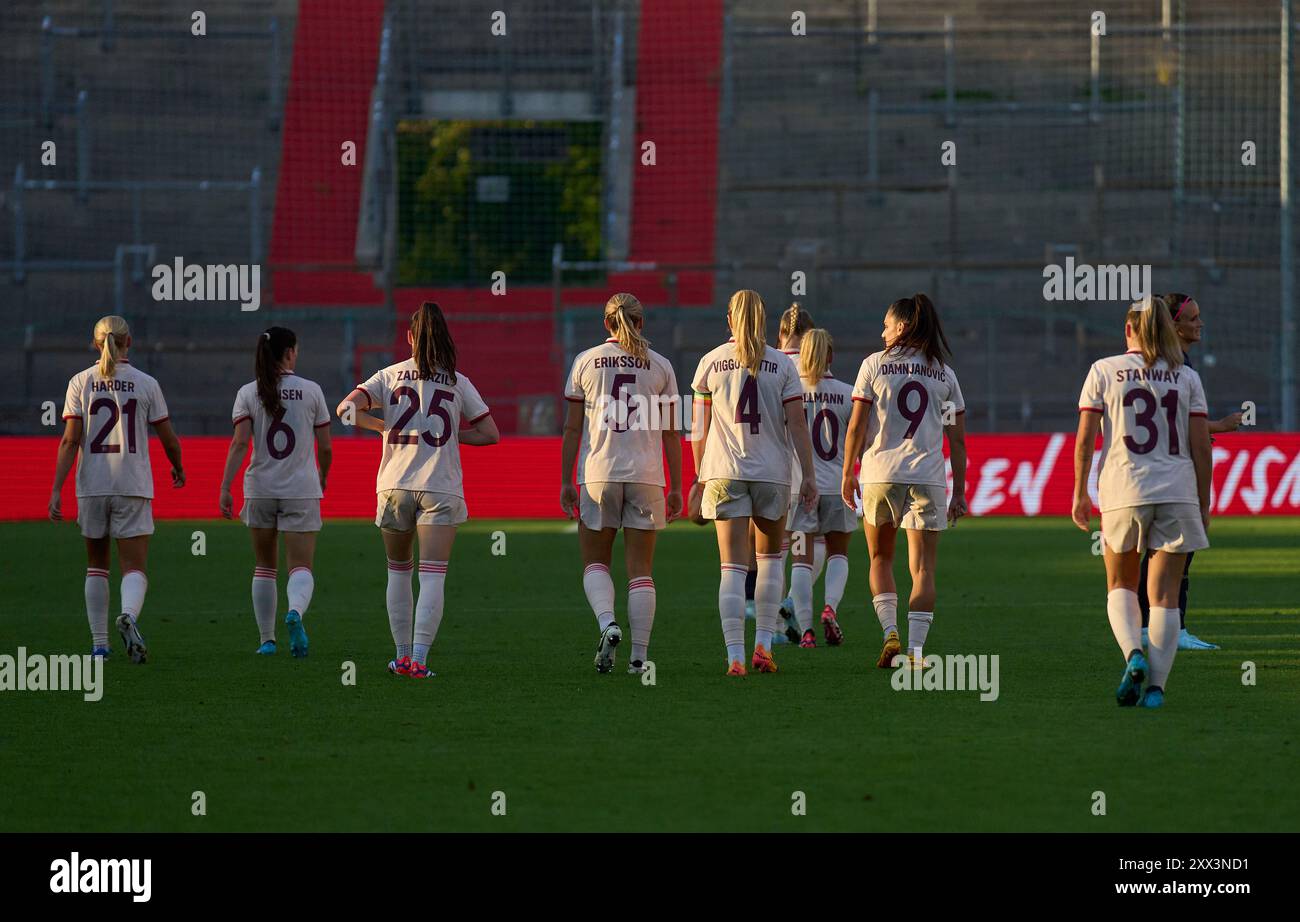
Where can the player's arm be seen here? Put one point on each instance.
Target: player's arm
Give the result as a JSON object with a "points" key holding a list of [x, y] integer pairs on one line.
{"points": [[351, 411], [1198, 432], [853, 442], [239, 440], [956, 434], [1229, 423], [172, 448], [796, 424], [324, 453], [483, 432], [569, 443], [69, 445], [673, 457], [701, 420], [1084, 442]]}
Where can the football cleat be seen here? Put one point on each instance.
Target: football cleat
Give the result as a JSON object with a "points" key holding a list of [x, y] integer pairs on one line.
{"points": [[135, 648], [831, 627], [400, 666], [1130, 686], [297, 634], [419, 671], [101, 652], [1153, 697], [891, 649], [792, 632], [737, 668], [267, 648], [762, 661], [609, 639], [809, 639], [636, 667], [1189, 641]]}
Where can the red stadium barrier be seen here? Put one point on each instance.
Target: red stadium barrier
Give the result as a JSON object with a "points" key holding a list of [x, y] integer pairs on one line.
{"points": [[1254, 474]]}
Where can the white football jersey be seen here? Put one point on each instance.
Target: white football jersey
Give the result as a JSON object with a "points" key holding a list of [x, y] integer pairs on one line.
{"points": [[628, 403], [116, 414], [1145, 454], [907, 395], [284, 447], [828, 407], [747, 435], [422, 419]]}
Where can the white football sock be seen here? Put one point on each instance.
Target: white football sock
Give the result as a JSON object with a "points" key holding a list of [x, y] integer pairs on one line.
{"points": [[837, 577], [918, 628], [428, 610], [97, 606], [731, 608], [801, 590], [767, 598], [599, 587], [641, 614], [1162, 643], [264, 599], [134, 585], [819, 557], [400, 602], [1125, 620], [301, 586], [886, 605]]}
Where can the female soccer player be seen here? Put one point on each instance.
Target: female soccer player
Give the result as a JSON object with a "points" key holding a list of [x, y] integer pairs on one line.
{"points": [[1153, 486], [424, 400], [621, 424], [283, 415], [748, 411], [1187, 324], [828, 404], [908, 398], [108, 410]]}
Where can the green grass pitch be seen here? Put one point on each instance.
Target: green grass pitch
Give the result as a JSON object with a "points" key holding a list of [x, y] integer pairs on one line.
{"points": [[282, 744]]}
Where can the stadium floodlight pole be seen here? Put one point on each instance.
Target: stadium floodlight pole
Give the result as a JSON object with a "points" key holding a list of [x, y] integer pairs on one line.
{"points": [[1288, 338]]}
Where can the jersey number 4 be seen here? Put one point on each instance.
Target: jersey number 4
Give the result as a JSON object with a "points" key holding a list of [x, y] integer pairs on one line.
{"points": [[397, 437], [747, 405]]}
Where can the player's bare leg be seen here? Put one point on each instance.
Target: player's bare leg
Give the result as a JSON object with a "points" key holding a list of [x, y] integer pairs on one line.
{"points": [[133, 556], [922, 552], [1164, 581], [767, 591], [265, 593], [435, 552], [884, 591], [98, 559], [1122, 573], [596, 546], [639, 555], [399, 599], [733, 552], [299, 550]]}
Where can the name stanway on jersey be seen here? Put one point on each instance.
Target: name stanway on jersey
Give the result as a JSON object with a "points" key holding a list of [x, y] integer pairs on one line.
{"points": [[628, 403], [116, 414], [907, 396], [421, 420], [828, 407], [747, 436], [284, 447], [1145, 454]]}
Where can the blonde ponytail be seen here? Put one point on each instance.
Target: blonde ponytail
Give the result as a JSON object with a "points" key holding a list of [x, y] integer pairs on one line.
{"points": [[110, 339], [795, 321], [1153, 327], [815, 356], [749, 327], [624, 316]]}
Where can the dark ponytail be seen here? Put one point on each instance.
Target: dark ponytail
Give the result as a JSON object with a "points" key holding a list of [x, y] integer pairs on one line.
{"points": [[432, 349], [924, 332], [271, 347]]}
